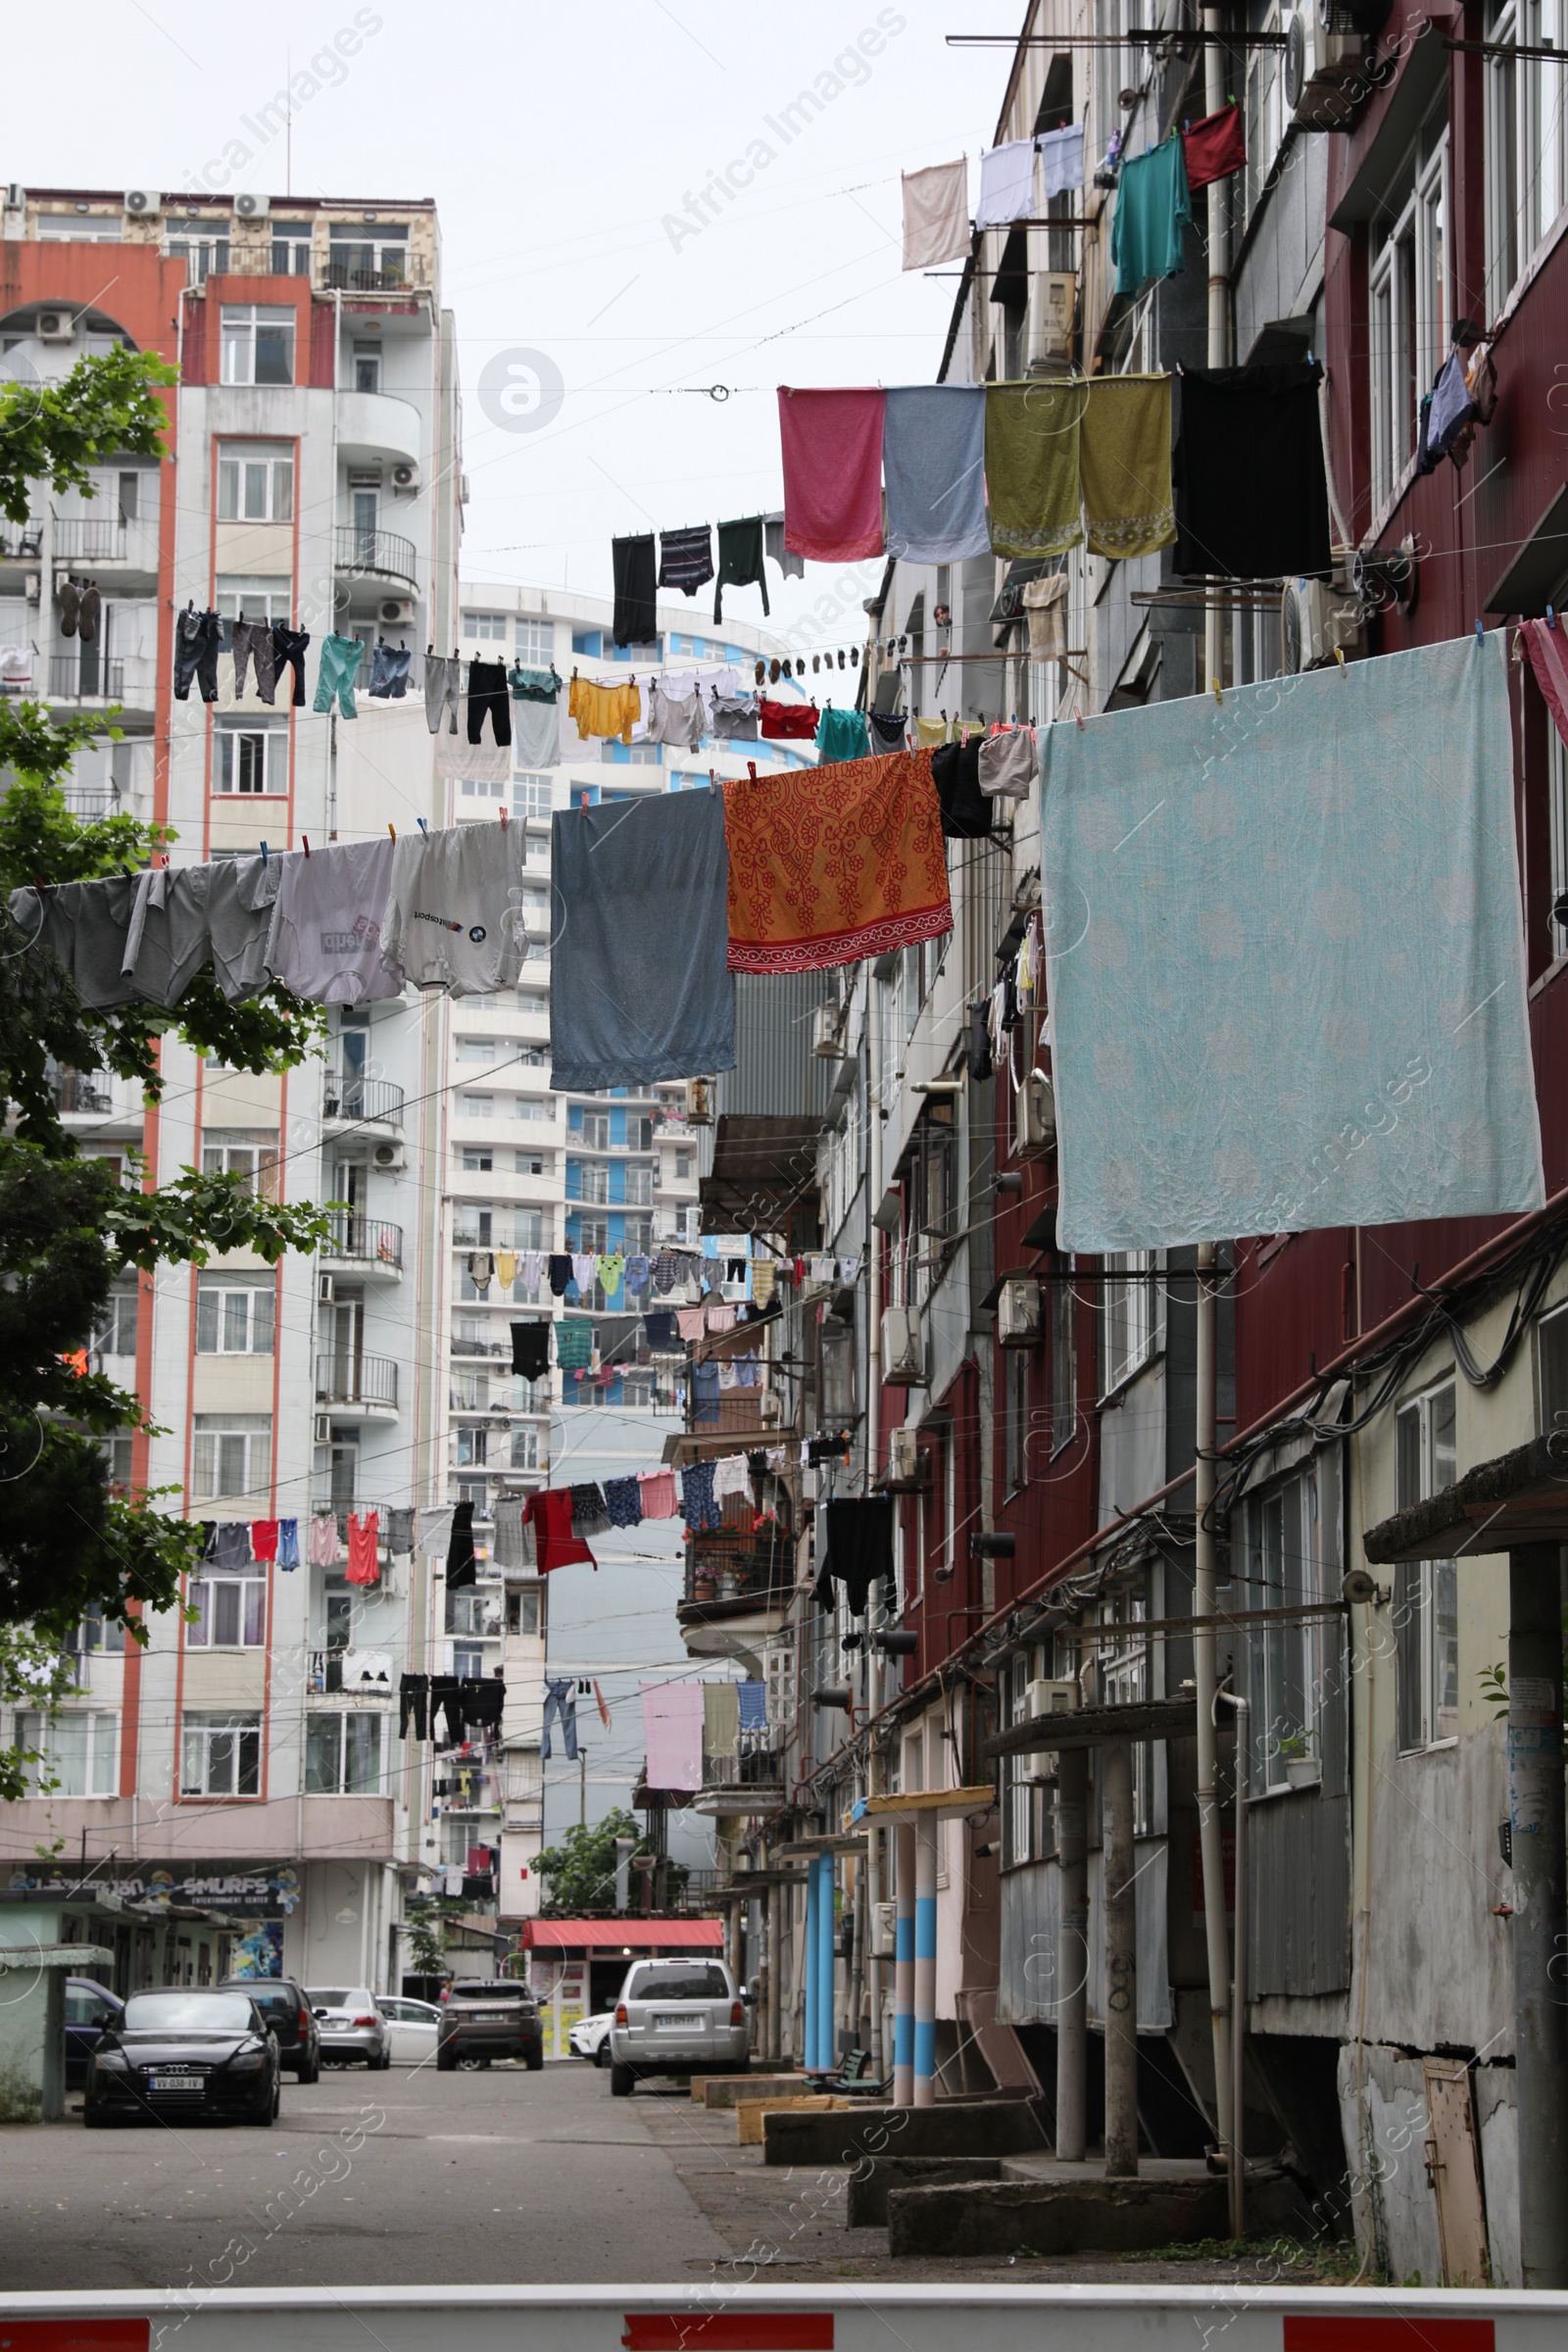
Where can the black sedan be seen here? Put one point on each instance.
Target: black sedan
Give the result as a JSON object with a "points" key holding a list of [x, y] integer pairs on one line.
{"points": [[197, 2055]]}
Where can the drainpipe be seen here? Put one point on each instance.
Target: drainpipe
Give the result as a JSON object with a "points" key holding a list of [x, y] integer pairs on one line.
{"points": [[826, 2057], [1121, 1964], [904, 1971], [1073, 1954], [1537, 1830], [1237, 2173], [813, 1903], [925, 1961], [1204, 1663]]}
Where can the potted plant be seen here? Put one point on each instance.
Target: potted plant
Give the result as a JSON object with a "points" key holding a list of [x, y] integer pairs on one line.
{"points": [[1302, 1770]]}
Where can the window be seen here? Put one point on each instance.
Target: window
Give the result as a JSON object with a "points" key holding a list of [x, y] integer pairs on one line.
{"points": [[1265, 113], [1013, 1706], [477, 1106], [683, 1167], [77, 1752], [97, 1632], [1283, 1573], [1426, 1592], [201, 255], [1063, 1367], [221, 1756], [483, 788], [231, 1611], [231, 1455], [478, 1048], [80, 224], [528, 1163], [1016, 1379], [258, 344], [254, 484], [343, 1754], [836, 1358], [1552, 1360], [367, 367], [534, 643], [528, 1228], [117, 1457], [472, 1447], [1129, 1316], [252, 756], [587, 641], [1409, 333], [116, 1334], [254, 1160], [1557, 808], [490, 627], [615, 754], [522, 1617], [477, 1161], [291, 252], [369, 257], [526, 1442], [1526, 148], [257, 597], [234, 1322], [531, 798]]}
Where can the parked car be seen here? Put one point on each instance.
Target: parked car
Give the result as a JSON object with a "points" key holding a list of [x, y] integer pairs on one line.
{"points": [[677, 2017], [489, 2016], [414, 2027], [590, 2036], [89, 2009], [205, 2056], [287, 2007], [352, 2026]]}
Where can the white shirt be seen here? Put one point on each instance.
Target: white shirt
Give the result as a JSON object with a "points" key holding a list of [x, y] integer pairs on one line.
{"points": [[325, 940], [453, 916]]}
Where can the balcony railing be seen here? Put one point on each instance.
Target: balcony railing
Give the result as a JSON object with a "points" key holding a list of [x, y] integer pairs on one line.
{"points": [[73, 681], [22, 540], [76, 1092], [356, 1380], [345, 278], [367, 1239], [381, 551], [486, 1347], [352, 1098], [758, 1765], [91, 538], [734, 1565]]}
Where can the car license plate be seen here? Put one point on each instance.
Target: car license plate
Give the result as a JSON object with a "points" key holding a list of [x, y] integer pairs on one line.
{"points": [[176, 2082], [490, 2017], [667, 2024]]}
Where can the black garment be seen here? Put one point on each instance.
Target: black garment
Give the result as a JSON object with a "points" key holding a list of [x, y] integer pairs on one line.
{"points": [[414, 1692], [446, 1694], [686, 558], [209, 1528], [462, 1566], [288, 649], [888, 730], [734, 1270], [483, 1703], [560, 1275], [478, 1886], [487, 691], [636, 620], [589, 1516], [1251, 497], [661, 1328], [981, 1064], [859, 1548], [530, 1350], [955, 773], [197, 639], [739, 559]]}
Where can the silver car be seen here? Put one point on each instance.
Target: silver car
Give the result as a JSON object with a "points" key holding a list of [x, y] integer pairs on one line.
{"points": [[677, 2017], [351, 2025]]}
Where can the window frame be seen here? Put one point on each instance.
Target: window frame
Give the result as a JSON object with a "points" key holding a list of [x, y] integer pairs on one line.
{"points": [[201, 1733], [214, 1445], [349, 1772], [1132, 1322], [1407, 307], [239, 463], [36, 1729], [485, 628], [1017, 1390], [240, 1599], [221, 1322], [241, 326], [1425, 1611], [1289, 1553], [533, 640], [250, 753]]}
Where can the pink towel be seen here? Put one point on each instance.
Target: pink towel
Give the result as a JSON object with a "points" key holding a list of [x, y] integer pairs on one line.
{"points": [[672, 1735], [659, 1493], [832, 447], [1548, 658], [689, 1321]]}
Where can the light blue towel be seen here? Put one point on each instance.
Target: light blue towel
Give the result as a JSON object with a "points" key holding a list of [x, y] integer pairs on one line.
{"points": [[753, 1703], [1286, 976], [639, 984], [933, 468]]}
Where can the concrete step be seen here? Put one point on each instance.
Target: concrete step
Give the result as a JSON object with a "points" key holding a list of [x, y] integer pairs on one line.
{"points": [[986, 2128], [1047, 2216]]}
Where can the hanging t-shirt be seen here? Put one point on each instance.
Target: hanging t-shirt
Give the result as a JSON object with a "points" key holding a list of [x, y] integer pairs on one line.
{"points": [[326, 942], [364, 1567], [1153, 210], [241, 892], [549, 1514], [165, 940], [454, 916]]}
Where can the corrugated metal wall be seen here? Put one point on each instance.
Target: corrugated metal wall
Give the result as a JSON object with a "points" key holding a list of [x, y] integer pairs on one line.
{"points": [[1027, 1985], [776, 1075]]}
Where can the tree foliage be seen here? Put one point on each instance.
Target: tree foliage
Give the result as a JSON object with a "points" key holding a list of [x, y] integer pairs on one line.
{"points": [[580, 1872], [107, 407]]}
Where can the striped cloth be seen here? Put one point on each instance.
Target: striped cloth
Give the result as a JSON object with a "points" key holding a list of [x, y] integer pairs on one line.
{"points": [[686, 558]]}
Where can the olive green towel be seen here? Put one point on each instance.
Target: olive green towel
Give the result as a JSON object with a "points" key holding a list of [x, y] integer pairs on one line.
{"points": [[1124, 461], [1032, 466]]}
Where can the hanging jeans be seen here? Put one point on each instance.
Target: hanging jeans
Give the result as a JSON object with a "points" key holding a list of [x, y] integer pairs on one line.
{"points": [[253, 642], [441, 679], [413, 1691], [339, 667], [389, 671], [196, 641], [487, 691], [288, 652], [561, 1703]]}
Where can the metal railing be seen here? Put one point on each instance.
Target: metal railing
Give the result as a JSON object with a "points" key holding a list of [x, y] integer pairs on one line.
{"points": [[369, 1239], [347, 1096], [22, 540], [757, 1765], [76, 1092], [343, 277], [726, 1566], [103, 681], [381, 552], [91, 538], [88, 801], [485, 1347], [356, 1380]]}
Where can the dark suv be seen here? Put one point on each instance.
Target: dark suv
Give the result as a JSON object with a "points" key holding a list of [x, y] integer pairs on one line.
{"points": [[287, 2010], [489, 2016]]}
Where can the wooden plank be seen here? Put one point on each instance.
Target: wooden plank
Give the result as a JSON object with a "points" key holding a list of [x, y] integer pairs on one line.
{"points": [[1091, 1726], [933, 1800], [749, 2113]]}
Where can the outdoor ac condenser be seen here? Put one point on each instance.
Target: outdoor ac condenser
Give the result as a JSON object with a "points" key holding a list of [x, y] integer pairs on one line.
{"points": [[903, 1357]]}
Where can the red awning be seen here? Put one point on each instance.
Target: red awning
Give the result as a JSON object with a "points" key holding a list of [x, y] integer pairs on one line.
{"points": [[624, 1934]]}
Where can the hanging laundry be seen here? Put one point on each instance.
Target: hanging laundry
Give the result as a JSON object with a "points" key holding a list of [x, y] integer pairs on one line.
{"points": [[823, 1266], [505, 1268], [1045, 604], [623, 1502], [462, 761], [1006, 768], [264, 1539], [1544, 647], [589, 1516], [604, 711], [454, 918], [746, 1375], [338, 665], [481, 1269], [555, 1544], [934, 459], [324, 1549], [575, 1343], [488, 698], [533, 1263], [561, 1712], [198, 639], [680, 721], [831, 444], [1151, 213], [533, 685], [936, 215], [400, 1529], [1124, 461], [288, 1544], [363, 1564], [733, 718], [686, 558], [1252, 495], [530, 1350], [443, 682], [435, 1530], [1062, 160], [672, 1735], [698, 1506], [389, 671], [722, 1720], [763, 1276], [634, 997], [1006, 184], [728, 1377], [511, 1542], [83, 927], [582, 1270], [751, 1701], [326, 943], [830, 865], [167, 937], [1032, 466], [1214, 147], [658, 1487], [241, 892], [692, 1322], [636, 615], [789, 722], [413, 1693], [858, 1552], [850, 1269], [289, 647], [636, 1273], [842, 735], [929, 732], [721, 1315], [463, 1566], [560, 1273], [1237, 1033], [791, 565], [890, 730], [1445, 414], [608, 1267], [739, 559], [660, 1331]]}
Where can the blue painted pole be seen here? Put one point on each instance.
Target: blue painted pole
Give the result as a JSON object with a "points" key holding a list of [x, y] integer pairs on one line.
{"points": [[808, 2034], [827, 2056]]}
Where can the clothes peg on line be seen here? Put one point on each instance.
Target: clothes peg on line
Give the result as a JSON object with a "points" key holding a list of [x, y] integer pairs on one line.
{"points": [[1480, 632], [425, 828], [713, 780], [392, 829], [503, 817], [263, 852], [1078, 714], [1552, 619], [1219, 692], [305, 837], [751, 769], [1339, 655]]}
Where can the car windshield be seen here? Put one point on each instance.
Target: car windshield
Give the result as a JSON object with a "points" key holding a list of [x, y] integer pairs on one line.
{"points": [[333, 1997], [188, 2013], [489, 1989], [686, 1984], [270, 1996]]}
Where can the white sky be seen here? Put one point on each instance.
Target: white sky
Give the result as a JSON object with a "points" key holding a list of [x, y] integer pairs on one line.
{"points": [[555, 140]]}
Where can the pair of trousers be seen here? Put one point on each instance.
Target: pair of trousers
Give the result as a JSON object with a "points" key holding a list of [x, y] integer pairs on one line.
{"points": [[441, 678], [339, 667], [389, 671], [487, 691], [561, 1705], [253, 642], [197, 636], [288, 653], [414, 1690], [446, 1696]]}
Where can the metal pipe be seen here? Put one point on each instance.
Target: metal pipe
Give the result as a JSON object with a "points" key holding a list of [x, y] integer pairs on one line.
{"points": [[856, 1998], [925, 1962], [826, 2054], [1540, 1885], [903, 1969], [874, 1881], [812, 1902], [1121, 1963], [775, 1972], [1211, 1842], [1238, 2173], [1072, 1955]]}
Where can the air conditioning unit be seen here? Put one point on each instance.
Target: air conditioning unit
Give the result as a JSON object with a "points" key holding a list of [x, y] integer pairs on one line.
{"points": [[406, 476], [1325, 77], [826, 1023], [327, 1288], [252, 208], [15, 196], [1318, 618], [1046, 1698], [903, 1353], [395, 611], [56, 327], [388, 1157], [770, 1407], [142, 204], [324, 1429], [1018, 1315], [904, 1452], [1055, 307], [1035, 1117]]}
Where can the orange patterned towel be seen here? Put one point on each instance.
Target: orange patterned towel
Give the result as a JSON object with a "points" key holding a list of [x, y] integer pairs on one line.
{"points": [[832, 864]]}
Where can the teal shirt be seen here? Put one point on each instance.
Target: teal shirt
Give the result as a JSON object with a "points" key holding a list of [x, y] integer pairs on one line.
{"points": [[1153, 207], [842, 735]]}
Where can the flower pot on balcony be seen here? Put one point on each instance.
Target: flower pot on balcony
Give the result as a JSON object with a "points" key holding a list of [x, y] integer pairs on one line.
{"points": [[1302, 1772], [704, 1589]]}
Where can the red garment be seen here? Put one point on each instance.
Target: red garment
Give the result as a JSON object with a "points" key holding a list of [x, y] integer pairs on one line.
{"points": [[832, 449], [1214, 147], [263, 1538], [1548, 648], [549, 1514], [794, 721], [365, 1536]]}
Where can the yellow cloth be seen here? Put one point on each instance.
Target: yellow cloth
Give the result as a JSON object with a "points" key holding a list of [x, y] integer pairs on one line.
{"points": [[604, 710], [1032, 466], [1124, 457], [929, 732], [762, 1280], [721, 1719], [505, 1268]]}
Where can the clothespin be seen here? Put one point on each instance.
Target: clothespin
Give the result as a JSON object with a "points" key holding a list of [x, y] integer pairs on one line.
{"points": [[1078, 714], [1339, 655], [305, 837], [392, 829], [263, 852], [1219, 692], [503, 817], [1552, 619], [751, 769], [425, 828], [1480, 632], [713, 780]]}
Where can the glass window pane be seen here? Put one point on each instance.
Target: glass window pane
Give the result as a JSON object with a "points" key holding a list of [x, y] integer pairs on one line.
{"points": [[256, 493], [193, 1749], [255, 1611], [202, 1468], [231, 1465], [284, 490], [264, 1307], [1407, 1629], [321, 1745], [199, 1634], [102, 1779], [363, 1760], [274, 355], [206, 1323], [225, 1612], [1444, 1649], [228, 490], [1444, 1456], [250, 1763], [236, 1318], [220, 1763]]}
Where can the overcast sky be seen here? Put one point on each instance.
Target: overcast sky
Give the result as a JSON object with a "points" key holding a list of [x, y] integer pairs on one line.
{"points": [[562, 145]]}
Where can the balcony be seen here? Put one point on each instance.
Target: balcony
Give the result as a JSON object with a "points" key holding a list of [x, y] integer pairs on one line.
{"points": [[361, 1102], [750, 1782], [73, 681], [373, 555], [80, 1096], [346, 277], [367, 1243], [738, 1590], [361, 1386], [374, 426], [20, 542]]}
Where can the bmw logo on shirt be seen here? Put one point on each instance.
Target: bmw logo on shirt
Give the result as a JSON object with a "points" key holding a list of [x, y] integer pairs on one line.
{"points": [[477, 933]]}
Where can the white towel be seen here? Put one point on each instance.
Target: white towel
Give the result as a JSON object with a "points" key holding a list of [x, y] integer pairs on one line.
{"points": [[936, 215]]}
